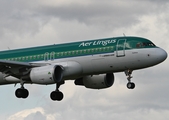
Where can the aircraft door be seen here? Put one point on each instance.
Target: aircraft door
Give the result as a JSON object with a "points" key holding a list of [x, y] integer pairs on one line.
{"points": [[120, 48]]}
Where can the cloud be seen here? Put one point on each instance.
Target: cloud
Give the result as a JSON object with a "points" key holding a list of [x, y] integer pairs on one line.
{"points": [[36, 116], [26, 113], [32, 114], [32, 23], [95, 113], [25, 24]]}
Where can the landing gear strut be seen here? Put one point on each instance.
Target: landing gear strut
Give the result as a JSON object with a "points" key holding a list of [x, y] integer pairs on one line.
{"points": [[22, 92], [56, 95], [130, 85]]}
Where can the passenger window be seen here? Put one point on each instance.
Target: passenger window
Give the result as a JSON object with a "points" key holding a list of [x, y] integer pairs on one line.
{"points": [[52, 55], [61, 53], [58, 54], [46, 56]]}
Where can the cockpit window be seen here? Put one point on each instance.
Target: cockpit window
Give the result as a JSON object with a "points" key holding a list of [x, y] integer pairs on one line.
{"points": [[148, 44], [138, 45], [132, 44], [145, 44]]}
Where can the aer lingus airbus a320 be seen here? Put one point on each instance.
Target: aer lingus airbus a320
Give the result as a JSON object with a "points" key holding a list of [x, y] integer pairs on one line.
{"points": [[89, 63]]}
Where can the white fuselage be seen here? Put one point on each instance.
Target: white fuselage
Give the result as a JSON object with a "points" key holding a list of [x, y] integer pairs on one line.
{"points": [[109, 62], [117, 61]]}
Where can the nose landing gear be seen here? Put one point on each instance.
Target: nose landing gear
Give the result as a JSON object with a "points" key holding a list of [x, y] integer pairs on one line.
{"points": [[130, 85]]}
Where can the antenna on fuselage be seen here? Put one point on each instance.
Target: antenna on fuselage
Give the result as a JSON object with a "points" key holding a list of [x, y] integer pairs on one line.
{"points": [[9, 48], [124, 35]]}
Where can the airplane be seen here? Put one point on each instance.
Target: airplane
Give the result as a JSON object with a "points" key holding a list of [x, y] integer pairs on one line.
{"points": [[90, 63]]}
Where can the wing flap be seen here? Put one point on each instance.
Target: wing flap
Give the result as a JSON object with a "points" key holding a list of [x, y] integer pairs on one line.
{"points": [[14, 63], [16, 69]]}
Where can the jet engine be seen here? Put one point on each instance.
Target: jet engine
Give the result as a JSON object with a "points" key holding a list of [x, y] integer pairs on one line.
{"points": [[46, 74], [96, 81], [55, 73]]}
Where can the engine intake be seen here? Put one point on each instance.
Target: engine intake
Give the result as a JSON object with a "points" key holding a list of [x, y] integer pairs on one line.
{"points": [[46, 74], [58, 73]]}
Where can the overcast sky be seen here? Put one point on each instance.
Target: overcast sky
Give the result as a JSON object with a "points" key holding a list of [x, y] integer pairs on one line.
{"points": [[43, 22]]}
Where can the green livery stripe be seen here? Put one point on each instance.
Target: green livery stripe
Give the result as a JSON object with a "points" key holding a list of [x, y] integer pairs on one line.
{"points": [[74, 49]]}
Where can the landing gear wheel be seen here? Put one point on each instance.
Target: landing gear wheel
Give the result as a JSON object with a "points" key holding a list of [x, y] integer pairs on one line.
{"points": [[25, 93], [18, 93], [21, 93], [130, 85], [56, 95]]}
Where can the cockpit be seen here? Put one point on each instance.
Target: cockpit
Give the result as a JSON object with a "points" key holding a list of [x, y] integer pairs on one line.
{"points": [[136, 44], [145, 44]]}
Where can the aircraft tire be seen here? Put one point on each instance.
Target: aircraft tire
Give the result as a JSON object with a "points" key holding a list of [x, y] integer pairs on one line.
{"points": [[25, 93], [18, 93], [130, 85], [21, 93], [56, 95]]}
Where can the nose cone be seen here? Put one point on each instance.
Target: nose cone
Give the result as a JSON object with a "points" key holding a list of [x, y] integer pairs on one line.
{"points": [[161, 55]]}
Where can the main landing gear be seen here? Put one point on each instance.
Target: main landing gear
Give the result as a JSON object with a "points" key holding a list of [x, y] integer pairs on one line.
{"points": [[22, 92], [56, 95], [130, 85]]}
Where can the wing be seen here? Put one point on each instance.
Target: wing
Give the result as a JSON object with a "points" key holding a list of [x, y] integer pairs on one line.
{"points": [[16, 69]]}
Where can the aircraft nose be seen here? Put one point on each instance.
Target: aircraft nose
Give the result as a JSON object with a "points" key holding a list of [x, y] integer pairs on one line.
{"points": [[161, 54]]}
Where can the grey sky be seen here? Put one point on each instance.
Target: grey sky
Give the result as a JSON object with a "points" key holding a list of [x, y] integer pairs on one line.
{"points": [[34, 23]]}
